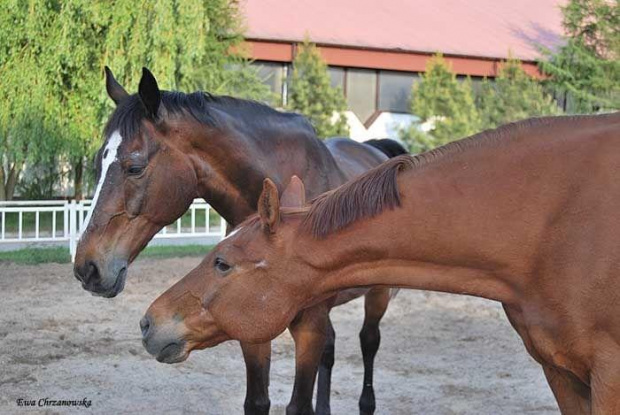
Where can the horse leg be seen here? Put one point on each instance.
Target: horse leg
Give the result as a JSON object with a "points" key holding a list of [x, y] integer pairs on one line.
{"points": [[376, 302], [257, 361], [323, 389], [309, 331], [573, 397]]}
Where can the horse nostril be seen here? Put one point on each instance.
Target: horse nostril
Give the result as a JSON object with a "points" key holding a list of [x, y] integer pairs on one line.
{"points": [[86, 272], [92, 273], [145, 325], [77, 274]]}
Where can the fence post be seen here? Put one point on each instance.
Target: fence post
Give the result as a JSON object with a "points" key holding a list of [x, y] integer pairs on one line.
{"points": [[65, 220], [73, 231], [223, 226]]}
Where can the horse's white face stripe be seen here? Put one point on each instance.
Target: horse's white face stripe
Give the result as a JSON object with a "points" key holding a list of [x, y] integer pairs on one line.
{"points": [[109, 157], [231, 234]]}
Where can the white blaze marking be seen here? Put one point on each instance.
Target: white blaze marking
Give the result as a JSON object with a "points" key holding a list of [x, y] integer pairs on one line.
{"points": [[109, 157], [231, 234]]}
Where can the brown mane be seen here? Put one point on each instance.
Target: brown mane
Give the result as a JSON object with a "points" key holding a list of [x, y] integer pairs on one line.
{"points": [[377, 189], [364, 197]]}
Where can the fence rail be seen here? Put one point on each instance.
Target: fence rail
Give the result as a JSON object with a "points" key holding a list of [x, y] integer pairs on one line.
{"points": [[52, 221]]}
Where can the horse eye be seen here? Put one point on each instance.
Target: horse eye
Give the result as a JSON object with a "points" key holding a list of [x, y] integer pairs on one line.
{"points": [[135, 170], [221, 265]]}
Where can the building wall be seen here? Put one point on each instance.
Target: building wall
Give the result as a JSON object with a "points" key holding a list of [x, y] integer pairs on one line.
{"points": [[367, 91], [373, 81]]}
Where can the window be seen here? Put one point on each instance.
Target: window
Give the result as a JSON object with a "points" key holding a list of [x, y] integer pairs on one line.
{"points": [[362, 92], [272, 75], [337, 77], [395, 91]]}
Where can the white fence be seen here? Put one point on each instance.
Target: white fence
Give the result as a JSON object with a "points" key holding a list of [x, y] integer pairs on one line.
{"points": [[42, 222]]}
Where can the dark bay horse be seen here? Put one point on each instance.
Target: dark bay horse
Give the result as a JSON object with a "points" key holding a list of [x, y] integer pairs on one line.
{"points": [[528, 215], [163, 149]]}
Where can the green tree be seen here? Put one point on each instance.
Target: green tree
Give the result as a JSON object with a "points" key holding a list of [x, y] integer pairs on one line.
{"points": [[512, 96], [52, 55], [312, 95], [74, 73], [28, 133], [585, 71], [444, 105]]}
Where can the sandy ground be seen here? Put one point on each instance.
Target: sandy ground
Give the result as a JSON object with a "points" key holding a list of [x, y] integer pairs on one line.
{"points": [[441, 354]]}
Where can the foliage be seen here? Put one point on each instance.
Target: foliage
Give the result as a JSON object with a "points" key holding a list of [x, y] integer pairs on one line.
{"points": [[312, 95], [513, 96], [585, 71], [39, 180], [444, 104], [239, 79], [52, 55], [27, 132]]}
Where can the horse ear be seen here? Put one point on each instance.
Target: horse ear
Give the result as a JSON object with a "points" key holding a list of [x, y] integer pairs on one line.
{"points": [[294, 195], [149, 93], [269, 206], [115, 90]]}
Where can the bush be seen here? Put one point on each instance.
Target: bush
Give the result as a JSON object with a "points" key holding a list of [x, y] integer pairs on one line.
{"points": [[513, 96], [312, 95], [444, 104]]}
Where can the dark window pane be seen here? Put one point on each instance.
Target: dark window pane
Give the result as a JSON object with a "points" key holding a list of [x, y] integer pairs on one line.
{"points": [[476, 84], [361, 92], [271, 75], [395, 91], [337, 77]]}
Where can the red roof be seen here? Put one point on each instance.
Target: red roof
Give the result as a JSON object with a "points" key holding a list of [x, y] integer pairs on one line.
{"points": [[481, 28]]}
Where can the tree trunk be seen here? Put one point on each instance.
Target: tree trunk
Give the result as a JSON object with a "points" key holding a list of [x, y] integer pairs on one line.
{"points": [[11, 182], [78, 178], [2, 186]]}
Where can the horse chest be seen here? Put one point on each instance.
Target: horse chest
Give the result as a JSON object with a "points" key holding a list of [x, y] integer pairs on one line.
{"points": [[552, 341]]}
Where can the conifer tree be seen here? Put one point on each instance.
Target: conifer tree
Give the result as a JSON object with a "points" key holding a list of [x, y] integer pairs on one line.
{"points": [[585, 71], [513, 95], [312, 95], [444, 104]]}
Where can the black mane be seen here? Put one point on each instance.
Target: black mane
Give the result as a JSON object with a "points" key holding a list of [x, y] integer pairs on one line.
{"points": [[202, 106]]}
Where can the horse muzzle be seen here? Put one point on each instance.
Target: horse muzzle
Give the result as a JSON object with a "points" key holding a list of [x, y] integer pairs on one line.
{"points": [[104, 281], [165, 342]]}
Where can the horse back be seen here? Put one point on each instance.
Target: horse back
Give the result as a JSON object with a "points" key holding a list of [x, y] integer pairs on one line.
{"points": [[354, 158]]}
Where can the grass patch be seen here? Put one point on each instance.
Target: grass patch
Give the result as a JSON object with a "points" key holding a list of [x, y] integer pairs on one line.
{"points": [[175, 251], [32, 256], [60, 255]]}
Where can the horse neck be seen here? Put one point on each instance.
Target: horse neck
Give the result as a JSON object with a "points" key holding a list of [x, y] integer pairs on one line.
{"points": [[470, 223], [421, 245], [231, 165]]}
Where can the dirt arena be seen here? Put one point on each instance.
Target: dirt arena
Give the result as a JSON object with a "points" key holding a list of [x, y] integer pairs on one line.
{"points": [[440, 354]]}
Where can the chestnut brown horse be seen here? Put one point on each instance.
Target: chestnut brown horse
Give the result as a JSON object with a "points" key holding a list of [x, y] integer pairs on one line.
{"points": [[163, 149], [528, 215]]}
